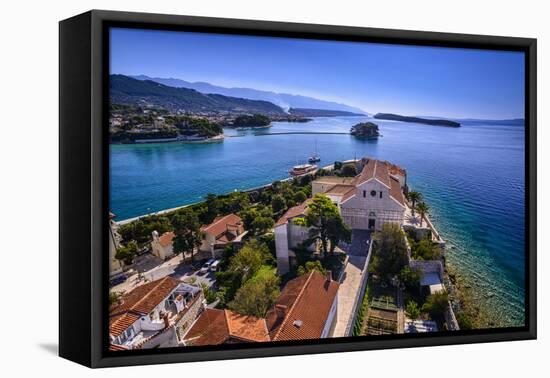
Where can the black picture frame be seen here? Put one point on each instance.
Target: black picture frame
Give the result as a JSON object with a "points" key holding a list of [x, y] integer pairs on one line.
{"points": [[83, 197]]}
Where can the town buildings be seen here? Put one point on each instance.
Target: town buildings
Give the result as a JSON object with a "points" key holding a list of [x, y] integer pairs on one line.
{"points": [[305, 309], [215, 236], [223, 230], [155, 314], [161, 246], [366, 202]]}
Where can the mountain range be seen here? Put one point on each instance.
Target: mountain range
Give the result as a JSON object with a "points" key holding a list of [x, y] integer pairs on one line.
{"points": [[283, 100], [127, 90]]}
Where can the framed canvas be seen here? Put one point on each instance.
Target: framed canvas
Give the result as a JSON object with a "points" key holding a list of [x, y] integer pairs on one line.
{"points": [[234, 188]]}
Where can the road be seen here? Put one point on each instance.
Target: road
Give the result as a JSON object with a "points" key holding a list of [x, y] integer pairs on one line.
{"points": [[151, 268]]}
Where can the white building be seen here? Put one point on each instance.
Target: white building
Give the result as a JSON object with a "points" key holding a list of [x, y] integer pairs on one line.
{"points": [[289, 232], [161, 246], [366, 202], [155, 314]]}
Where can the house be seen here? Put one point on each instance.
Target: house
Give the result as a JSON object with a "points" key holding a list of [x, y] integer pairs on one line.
{"points": [[215, 327], [155, 314], [289, 232], [115, 265], [223, 230], [161, 246], [305, 309]]}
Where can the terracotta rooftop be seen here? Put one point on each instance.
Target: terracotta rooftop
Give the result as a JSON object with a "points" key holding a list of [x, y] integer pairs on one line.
{"points": [[138, 302], [340, 189], [249, 328], [166, 239], [306, 302], [376, 169], [209, 329], [395, 191], [223, 224], [295, 211], [214, 327], [334, 180]]}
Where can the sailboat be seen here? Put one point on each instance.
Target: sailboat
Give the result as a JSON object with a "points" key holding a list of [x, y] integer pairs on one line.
{"points": [[315, 157]]}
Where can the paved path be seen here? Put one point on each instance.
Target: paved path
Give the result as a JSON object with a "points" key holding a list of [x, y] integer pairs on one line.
{"points": [[350, 286]]}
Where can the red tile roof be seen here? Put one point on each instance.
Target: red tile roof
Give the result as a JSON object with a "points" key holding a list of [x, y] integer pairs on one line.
{"points": [[339, 189], [248, 328], [139, 302], [166, 239], [308, 300], [374, 169], [214, 327], [395, 191], [209, 329], [220, 224], [295, 211]]}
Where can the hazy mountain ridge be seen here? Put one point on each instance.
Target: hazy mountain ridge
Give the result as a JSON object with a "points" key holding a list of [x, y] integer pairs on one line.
{"points": [[283, 100], [127, 90]]}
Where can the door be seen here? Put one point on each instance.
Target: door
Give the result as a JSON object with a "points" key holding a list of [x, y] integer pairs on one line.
{"points": [[372, 224]]}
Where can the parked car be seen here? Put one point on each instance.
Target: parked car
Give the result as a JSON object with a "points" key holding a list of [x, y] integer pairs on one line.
{"points": [[206, 267], [214, 266], [118, 280]]}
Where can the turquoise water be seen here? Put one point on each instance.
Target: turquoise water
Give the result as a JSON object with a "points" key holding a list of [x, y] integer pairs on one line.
{"points": [[472, 177]]}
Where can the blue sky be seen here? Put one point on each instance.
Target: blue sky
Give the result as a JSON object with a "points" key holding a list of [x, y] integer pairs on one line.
{"points": [[410, 80]]}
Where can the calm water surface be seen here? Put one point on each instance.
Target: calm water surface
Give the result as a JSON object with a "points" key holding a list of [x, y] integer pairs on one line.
{"points": [[472, 177]]}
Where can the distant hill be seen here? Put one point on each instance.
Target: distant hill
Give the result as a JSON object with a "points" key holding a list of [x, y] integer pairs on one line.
{"points": [[283, 100], [303, 112], [127, 90], [426, 121]]}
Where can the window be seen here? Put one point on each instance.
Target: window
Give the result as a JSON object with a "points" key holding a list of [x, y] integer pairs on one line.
{"points": [[364, 193], [373, 193], [380, 194]]}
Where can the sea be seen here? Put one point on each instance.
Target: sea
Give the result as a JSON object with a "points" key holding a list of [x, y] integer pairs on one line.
{"points": [[472, 177]]}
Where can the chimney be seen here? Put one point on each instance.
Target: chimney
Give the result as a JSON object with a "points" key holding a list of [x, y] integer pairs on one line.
{"points": [[166, 321], [280, 311], [329, 275]]}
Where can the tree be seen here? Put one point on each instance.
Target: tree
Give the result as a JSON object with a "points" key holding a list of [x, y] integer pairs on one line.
{"points": [[410, 277], [423, 209], [390, 252], [114, 298], [250, 259], [258, 294], [325, 223], [127, 253], [300, 196], [412, 310], [278, 203], [348, 170], [213, 206], [436, 304], [414, 197], [187, 232], [235, 202], [311, 266], [209, 294], [425, 249], [261, 225]]}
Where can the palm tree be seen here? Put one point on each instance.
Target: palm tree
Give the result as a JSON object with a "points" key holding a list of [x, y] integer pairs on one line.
{"points": [[414, 197], [423, 209]]}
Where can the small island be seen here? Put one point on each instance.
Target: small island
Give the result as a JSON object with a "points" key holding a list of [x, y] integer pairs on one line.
{"points": [[435, 122], [252, 121], [366, 130]]}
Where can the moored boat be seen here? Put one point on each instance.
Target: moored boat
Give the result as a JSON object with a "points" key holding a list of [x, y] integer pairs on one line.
{"points": [[299, 170]]}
